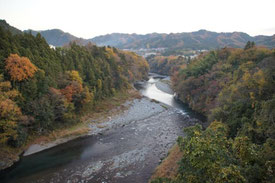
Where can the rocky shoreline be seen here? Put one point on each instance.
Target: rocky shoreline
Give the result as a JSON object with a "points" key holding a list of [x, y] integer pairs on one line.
{"points": [[124, 146], [7, 159], [138, 109], [118, 147], [164, 86]]}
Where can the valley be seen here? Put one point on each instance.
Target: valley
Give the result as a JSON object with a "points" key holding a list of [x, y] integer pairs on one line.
{"points": [[124, 107], [127, 149]]}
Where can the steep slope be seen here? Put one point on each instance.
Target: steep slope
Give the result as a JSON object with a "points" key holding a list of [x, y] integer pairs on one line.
{"points": [[234, 88], [55, 37], [7, 26], [43, 89]]}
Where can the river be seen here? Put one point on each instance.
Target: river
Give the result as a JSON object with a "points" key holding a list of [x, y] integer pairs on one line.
{"points": [[128, 151]]}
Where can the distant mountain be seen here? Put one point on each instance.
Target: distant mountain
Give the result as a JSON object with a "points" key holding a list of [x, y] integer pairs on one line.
{"points": [[121, 40], [201, 39], [268, 41], [7, 26], [57, 37], [198, 40]]}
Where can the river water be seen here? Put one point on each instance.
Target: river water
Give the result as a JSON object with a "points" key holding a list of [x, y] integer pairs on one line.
{"points": [[126, 152], [151, 90]]}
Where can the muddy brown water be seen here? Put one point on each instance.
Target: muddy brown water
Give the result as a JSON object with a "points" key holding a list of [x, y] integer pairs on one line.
{"points": [[127, 153]]}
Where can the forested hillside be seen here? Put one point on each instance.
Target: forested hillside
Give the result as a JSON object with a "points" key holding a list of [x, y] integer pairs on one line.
{"points": [[197, 40], [43, 88], [235, 89], [165, 65], [7, 27], [57, 37]]}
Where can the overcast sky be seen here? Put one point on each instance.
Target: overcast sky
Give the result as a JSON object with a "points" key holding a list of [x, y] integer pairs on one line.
{"points": [[89, 18]]}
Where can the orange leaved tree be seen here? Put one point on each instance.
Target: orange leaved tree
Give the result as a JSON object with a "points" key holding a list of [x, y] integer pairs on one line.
{"points": [[19, 68]]}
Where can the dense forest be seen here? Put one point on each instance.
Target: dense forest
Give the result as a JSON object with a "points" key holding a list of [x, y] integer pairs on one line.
{"points": [[235, 89], [42, 88], [165, 65]]}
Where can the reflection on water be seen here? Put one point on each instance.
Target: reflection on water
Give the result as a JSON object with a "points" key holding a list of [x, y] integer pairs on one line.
{"points": [[151, 91], [47, 161]]}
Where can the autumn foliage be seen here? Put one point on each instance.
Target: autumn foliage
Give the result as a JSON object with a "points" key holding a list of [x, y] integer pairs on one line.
{"points": [[166, 65], [10, 113], [235, 89], [58, 85], [19, 68], [72, 89], [74, 76]]}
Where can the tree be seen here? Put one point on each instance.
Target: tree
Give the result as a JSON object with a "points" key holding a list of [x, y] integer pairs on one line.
{"points": [[19, 68], [57, 83], [10, 113], [249, 45], [207, 156], [236, 88], [71, 90], [74, 76]]}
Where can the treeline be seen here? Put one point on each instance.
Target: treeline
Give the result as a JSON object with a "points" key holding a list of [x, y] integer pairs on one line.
{"points": [[43, 88], [165, 65], [235, 89]]}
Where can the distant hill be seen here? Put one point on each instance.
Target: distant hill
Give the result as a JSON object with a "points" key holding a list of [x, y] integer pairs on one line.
{"points": [[268, 41], [121, 40], [57, 37], [201, 39], [10, 28], [198, 40]]}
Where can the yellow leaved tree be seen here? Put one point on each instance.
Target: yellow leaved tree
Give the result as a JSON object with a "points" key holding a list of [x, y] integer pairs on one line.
{"points": [[10, 113]]}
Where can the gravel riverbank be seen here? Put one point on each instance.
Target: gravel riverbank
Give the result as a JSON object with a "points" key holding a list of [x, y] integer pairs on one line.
{"points": [[138, 109], [121, 148], [163, 86]]}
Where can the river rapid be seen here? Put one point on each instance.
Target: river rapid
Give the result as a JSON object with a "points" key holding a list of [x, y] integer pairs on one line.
{"points": [[128, 150]]}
